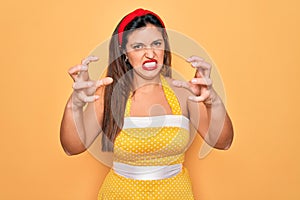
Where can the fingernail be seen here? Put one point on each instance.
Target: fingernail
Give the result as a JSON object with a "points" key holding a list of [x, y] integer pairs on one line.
{"points": [[194, 80], [194, 64], [99, 83], [84, 67], [175, 83], [191, 98], [96, 97]]}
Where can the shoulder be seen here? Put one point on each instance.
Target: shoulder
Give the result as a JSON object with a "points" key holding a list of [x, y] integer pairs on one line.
{"points": [[179, 91]]}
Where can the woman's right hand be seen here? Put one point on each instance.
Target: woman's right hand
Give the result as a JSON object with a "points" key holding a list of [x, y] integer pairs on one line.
{"points": [[84, 88]]}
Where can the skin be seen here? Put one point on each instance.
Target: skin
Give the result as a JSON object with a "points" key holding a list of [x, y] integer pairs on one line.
{"points": [[145, 44], [198, 100], [76, 122]]}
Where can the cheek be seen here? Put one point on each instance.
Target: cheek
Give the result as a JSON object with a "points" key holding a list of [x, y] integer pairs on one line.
{"points": [[161, 55], [134, 60]]}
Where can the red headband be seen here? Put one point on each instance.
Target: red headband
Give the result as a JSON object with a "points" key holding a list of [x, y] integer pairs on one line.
{"points": [[128, 18]]}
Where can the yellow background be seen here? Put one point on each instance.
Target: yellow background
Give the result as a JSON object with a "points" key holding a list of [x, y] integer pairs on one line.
{"points": [[254, 43]]}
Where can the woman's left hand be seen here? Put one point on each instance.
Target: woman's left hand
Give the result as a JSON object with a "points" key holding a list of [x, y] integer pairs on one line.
{"points": [[201, 84]]}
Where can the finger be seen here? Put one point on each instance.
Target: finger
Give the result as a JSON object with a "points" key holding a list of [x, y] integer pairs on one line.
{"points": [[199, 73], [74, 71], [200, 98], [104, 81], [194, 58], [88, 99], [179, 83], [89, 59], [85, 62], [77, 68], [82, 85], [202, 81], [201, 64], [204, 67]]}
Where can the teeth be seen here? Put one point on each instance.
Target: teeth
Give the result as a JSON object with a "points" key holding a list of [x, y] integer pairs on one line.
{"points": [[150, 64]]}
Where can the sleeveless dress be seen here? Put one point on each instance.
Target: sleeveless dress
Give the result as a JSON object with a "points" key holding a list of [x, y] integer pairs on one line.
{"points": [[150, 142]]}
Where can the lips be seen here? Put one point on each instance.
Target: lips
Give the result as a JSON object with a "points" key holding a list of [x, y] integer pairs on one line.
{"points": [[150, 65]]}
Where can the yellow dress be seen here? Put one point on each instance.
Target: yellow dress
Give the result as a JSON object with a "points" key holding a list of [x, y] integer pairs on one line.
{"points": [[151, 141]]}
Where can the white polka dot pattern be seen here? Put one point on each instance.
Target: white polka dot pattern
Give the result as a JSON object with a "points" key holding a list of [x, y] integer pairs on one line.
{"points": [[150, 146], [116, 187]]}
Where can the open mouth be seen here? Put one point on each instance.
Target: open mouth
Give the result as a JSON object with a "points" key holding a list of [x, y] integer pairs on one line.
{"points": [[149, 65]]}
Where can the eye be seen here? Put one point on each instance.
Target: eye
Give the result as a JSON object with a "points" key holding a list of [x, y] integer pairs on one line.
{"points": [[157, 43], [137, 46]]}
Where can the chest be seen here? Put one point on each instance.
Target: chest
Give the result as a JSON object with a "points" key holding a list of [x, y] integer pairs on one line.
{"points": [[150, 105], [154, 140]]}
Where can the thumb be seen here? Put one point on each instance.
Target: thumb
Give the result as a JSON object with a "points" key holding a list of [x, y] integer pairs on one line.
{"points": [[104, 81]]}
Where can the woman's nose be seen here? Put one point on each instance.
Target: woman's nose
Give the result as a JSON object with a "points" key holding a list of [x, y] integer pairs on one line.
{"points": [[149, 52]]}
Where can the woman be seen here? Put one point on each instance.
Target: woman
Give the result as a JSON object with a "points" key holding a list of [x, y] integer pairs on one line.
{"points": [[143, 113]]}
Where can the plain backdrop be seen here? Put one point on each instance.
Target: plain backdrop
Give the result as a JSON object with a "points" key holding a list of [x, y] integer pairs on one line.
{"points": [[255, 45]]}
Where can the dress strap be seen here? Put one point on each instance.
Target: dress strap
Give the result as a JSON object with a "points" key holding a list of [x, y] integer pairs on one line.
{"points": [[128, 106], [171, 97], [169, 94]]}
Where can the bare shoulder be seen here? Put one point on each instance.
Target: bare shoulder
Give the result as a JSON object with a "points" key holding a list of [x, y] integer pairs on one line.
{"points": [[181, 92], [182, 95]]}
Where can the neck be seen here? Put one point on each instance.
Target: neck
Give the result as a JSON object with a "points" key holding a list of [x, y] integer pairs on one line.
{"points": [[146, 85]]}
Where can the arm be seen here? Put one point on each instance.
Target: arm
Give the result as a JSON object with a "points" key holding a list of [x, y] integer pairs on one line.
{"points": [[80, 128], [212, 122], [206, 109]]}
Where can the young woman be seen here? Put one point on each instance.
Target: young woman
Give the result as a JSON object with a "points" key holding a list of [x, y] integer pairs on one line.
{"points": [[143, 114]]}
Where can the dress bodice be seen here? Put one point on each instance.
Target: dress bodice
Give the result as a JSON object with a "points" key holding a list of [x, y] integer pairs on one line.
{"points": [[154, 140]]}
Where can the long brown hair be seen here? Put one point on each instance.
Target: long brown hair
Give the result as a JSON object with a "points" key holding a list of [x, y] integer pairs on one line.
{"points": [[117, 93]]}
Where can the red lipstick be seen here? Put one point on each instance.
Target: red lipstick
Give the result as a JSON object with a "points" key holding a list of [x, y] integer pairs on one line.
{"points": [[150, 65]]}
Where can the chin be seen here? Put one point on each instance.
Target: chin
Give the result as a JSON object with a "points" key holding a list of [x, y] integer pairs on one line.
{"points": [[148, 74]]}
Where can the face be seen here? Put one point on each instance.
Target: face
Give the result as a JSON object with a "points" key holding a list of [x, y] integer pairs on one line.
{"points": [[145, 51]]}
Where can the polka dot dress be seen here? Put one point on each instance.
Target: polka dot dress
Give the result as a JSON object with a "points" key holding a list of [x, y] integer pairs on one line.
{"points": [[150, 146], [116, 187]]}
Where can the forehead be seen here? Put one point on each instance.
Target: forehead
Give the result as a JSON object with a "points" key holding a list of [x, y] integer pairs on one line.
{"points": [[145, 34]]}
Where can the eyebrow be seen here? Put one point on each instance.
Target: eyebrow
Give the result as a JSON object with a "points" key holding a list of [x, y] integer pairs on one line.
{"points": [[135, 43]]}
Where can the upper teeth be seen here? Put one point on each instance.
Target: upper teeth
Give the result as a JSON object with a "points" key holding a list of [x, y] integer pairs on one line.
{"points": [[150, 64]]}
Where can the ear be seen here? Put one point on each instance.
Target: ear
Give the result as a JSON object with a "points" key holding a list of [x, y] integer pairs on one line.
{"points": [[123, 51]]}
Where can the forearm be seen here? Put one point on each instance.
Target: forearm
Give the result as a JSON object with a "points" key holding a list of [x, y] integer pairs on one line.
{"points": [[220, 130], [80, 128], [72, 131]]}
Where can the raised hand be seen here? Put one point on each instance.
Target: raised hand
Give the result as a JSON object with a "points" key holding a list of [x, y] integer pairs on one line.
{"points": [[201, 84], [84, 88]]}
